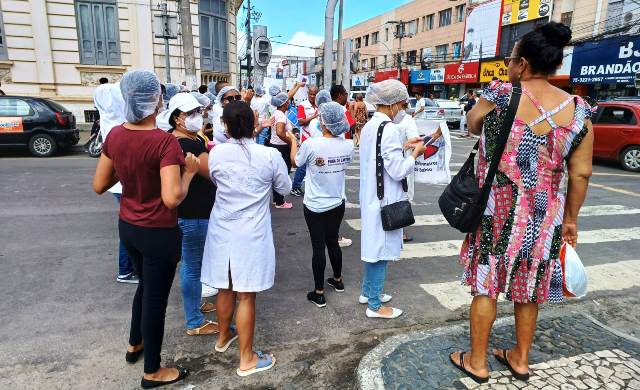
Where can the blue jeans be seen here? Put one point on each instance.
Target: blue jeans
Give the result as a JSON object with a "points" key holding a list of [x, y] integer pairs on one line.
{"points": [[298, 177], [262, 136], [373, 282], [194, 235], [124, 263]]}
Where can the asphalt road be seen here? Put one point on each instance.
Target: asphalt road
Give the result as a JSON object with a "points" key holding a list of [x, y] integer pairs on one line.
{"points": [[64, 320]]}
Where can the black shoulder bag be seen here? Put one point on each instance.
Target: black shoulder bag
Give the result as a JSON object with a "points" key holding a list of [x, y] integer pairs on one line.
{"points": [[396, 215], [463, 202]]}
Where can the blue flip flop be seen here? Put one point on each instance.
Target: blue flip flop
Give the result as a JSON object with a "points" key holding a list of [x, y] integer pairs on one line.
{"points": [[265, 362]]}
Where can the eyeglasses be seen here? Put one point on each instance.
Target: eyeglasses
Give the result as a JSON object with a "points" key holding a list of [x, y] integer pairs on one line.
{"points": [[232, 98]]}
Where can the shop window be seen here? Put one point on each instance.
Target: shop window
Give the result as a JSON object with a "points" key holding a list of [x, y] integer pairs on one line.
{"points": [[214, 51], [460, 9], [445, 17], [616, 116], [98, 32]]}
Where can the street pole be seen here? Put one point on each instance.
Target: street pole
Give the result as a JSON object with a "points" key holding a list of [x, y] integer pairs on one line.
{"points": [[400, 35], [187, 44], [328, 42], [166, 33], [248, 33], [339, 58]]}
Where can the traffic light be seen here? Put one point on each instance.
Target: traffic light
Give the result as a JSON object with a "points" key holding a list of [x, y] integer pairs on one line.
{"points": [[262, 51]]}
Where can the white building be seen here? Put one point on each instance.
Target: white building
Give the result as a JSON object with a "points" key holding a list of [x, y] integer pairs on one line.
{"points": [[60, 48]]}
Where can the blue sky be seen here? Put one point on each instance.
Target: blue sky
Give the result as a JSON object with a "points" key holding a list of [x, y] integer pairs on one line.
{"points": [[302, 21]]}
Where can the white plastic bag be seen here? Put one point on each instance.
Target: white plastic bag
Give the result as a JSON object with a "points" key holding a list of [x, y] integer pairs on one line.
{"points": [[433, 166], [574, 275]]}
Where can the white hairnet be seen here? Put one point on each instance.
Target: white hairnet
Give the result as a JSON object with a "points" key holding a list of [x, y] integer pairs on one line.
{"points": [[202, 99], [386, 93], [260, 90], [274, 90], [141, 93], [280, 99], [323, 96], [108, 100], [211, 87], [226, 89], [333, 117]]}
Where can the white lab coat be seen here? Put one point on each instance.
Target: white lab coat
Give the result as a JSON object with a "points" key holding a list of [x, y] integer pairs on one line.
{"points": [[239, 238], [407, 130], [378, 244]]}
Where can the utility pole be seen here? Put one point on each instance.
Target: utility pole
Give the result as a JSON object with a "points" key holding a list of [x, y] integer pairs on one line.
{"points": [[187, 44], [328, 42], [340, 56], [248, 33], [166, 30], [400, 34]]}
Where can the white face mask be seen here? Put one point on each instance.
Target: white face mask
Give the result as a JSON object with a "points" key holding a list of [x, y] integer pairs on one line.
{"points": [[399, 116], [194, 123]]}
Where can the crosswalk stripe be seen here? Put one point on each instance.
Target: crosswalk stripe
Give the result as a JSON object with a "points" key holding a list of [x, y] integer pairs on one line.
{"points": [[586, 211], [611, 276]]}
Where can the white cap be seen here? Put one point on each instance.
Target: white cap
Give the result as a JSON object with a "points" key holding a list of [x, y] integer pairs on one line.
{"points": [[184, 102]]}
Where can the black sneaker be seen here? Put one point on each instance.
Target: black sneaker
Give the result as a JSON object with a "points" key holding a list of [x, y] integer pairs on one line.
{"points": [[128, 278], [317, 299], [338, 286], [297, 192]]}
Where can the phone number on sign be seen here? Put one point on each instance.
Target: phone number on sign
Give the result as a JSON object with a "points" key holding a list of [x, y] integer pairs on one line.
{"points": [[588, 79]]}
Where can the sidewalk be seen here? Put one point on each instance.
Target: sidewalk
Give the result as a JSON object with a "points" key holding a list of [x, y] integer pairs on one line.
{"points": [[571, 351]]}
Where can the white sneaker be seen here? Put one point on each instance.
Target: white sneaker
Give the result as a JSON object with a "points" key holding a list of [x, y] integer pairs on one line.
{"points": [[208, 291], [344, 242], [374, 314], [384, 298]]}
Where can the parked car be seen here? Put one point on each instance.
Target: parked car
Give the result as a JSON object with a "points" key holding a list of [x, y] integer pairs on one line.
{"points": [[370, 107], [42, 125], [439, 109], [616, 128]]}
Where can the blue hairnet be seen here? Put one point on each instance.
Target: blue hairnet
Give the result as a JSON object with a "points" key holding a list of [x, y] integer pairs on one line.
{"points": [[171, 90], [386, 93], [211, 97], [202, 99], [226, 90], [211, 87], [260, 90], [333, 117], [323, 97], [141, 93], [274, 90], [279, 99]]}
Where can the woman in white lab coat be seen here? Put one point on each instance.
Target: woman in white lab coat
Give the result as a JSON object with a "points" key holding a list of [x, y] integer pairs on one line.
{"points": [[239, 256], [378, 246]]}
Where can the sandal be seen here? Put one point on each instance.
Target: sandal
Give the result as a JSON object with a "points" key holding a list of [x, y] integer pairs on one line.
{"points": [[265, 362], [503, 359], [226, 346], [132, 357], [208, 307], [204, 329], [460, 366], [150, 384]]}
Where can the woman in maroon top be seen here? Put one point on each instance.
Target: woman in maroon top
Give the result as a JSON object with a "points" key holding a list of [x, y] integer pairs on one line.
{"points": [[155, 178]]}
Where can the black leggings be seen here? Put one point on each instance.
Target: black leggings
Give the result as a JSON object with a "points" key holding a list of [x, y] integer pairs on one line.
{"points": [[154, 252], [285, 151], [323, 229]]}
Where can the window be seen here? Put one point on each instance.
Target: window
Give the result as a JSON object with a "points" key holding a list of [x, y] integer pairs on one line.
{"points": [[429, 23], [3, 42], [365, 64], [412, 27], [616, 116], [214, 51], [366, 40], [566, 18], [457, 50], [445, 17], [373, 62], [358, 43], [374, 38], [386, 35], [14, 107], [411, 57], [319, 60], [441, 52], [98, 32], [384, 61], [335, 56], [460, 13]]}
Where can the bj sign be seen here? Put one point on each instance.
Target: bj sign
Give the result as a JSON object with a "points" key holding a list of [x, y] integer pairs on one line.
{"points": [[461, 73]]}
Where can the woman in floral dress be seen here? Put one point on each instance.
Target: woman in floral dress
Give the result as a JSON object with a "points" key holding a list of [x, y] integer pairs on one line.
{"points": [[515, 250]]}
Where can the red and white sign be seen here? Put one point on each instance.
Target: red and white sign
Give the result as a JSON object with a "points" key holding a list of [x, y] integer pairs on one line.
{"points": [[466, 72]]}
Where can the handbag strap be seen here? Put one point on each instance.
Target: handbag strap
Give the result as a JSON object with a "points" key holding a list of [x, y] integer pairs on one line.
{"points": [[510, 116], [380, 164]]}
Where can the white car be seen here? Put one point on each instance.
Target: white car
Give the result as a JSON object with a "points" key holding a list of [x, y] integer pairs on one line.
{"points": [[439, 109]]}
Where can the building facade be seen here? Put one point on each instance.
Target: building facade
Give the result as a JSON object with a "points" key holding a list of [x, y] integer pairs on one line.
{"points": [[59, 49]]}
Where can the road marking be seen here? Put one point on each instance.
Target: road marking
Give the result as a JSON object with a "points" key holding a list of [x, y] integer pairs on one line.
{"points": [[586, 211], [603, 277], [618, 190], [637, 176]]}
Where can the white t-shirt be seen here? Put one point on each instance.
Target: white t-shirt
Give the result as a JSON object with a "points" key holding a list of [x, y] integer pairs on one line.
{"points": [[327, 160], [281, 117], [261, 105]]}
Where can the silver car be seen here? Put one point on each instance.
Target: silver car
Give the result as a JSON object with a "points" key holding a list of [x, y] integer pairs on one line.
{"points": [[439, 109]]}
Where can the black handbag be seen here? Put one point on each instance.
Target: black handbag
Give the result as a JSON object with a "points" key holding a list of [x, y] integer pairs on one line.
{"points": [[396, 215], [463, 202]]}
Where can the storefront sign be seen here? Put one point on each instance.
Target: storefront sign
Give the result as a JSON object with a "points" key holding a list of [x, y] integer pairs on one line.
{"points": [[359, 80], [608, 61], [420, 76], [489, 70], [436, 76], [466, 72], [518, 11], [392, 74]]}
